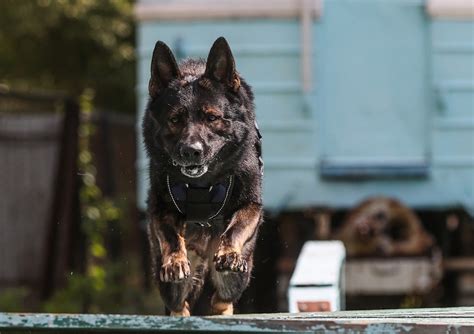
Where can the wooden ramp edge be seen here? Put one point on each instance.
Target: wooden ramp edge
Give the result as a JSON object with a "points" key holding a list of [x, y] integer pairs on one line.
{"points": [[432, 321]]}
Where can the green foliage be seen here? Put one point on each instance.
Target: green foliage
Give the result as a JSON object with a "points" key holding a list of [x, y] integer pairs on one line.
{"points": [[84, 292], [117, 295], [70, 45], [13, 300]]}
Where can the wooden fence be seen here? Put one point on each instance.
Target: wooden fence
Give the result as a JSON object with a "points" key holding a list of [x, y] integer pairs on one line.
{"points": [[40, 239], [38, 202]]}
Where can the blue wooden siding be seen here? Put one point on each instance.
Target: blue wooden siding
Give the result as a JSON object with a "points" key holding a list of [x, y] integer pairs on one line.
{"points": [[374, 84], [452, 45], [391, 86]]}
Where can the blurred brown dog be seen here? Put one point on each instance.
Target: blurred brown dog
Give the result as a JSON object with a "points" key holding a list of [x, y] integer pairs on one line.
{"points": [[383, 226]]}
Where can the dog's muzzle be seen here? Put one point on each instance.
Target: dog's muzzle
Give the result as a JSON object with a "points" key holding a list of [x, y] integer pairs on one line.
{"points": [[192, 171]]}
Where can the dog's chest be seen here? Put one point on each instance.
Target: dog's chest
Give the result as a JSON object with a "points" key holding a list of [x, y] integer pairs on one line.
{"points": [[200, 204], [202, 239]]}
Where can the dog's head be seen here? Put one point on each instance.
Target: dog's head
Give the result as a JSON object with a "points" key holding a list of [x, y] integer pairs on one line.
{"points": [[198, 112]]}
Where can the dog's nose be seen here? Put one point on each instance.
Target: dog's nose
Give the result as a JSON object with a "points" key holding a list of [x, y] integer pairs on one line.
{"points": [[192, 151]]}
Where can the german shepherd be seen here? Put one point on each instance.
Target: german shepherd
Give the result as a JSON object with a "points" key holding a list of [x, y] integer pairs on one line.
{"points": [[201, 138]]}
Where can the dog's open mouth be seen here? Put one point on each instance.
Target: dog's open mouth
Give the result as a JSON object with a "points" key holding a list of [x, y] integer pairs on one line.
{"points": [[194, 170]]}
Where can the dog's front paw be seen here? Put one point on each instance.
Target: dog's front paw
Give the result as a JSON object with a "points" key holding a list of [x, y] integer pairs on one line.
{"points": [[175, 269], [230, 260]]}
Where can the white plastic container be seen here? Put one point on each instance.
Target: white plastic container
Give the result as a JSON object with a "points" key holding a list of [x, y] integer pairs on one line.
{"points": [[318, 280]]}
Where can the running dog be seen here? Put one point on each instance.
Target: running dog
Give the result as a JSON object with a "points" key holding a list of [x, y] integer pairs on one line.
{"points": [[205, 172]]}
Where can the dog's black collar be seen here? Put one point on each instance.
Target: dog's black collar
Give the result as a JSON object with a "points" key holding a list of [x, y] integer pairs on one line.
{"points": [[198, 203]]}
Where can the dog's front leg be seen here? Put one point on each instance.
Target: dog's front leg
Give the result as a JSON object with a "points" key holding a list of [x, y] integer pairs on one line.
{"points": [[170, 262], [231, 253], [233, 258]]}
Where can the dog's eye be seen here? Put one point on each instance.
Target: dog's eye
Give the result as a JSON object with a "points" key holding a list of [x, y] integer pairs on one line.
{"points": [[211, 118], [174, 119]]}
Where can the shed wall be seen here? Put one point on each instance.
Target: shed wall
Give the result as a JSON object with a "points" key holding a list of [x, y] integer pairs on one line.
{"points": [[298, 127]]}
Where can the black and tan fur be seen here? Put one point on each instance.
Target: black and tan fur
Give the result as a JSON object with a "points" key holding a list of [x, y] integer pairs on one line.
{"points": [[201, 113]]}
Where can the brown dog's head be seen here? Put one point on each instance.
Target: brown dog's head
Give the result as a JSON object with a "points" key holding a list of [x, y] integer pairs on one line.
{"points": [[199, 111]]}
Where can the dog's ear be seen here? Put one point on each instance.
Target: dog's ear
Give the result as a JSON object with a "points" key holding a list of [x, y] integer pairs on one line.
{"points": [[163, 69], [220, 64]]}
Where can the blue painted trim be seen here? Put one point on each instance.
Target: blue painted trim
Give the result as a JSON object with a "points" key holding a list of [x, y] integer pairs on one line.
{"points": [[336, 171]]}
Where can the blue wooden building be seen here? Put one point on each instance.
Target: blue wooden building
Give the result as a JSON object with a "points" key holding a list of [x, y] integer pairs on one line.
{"points": [[354, 97]]}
